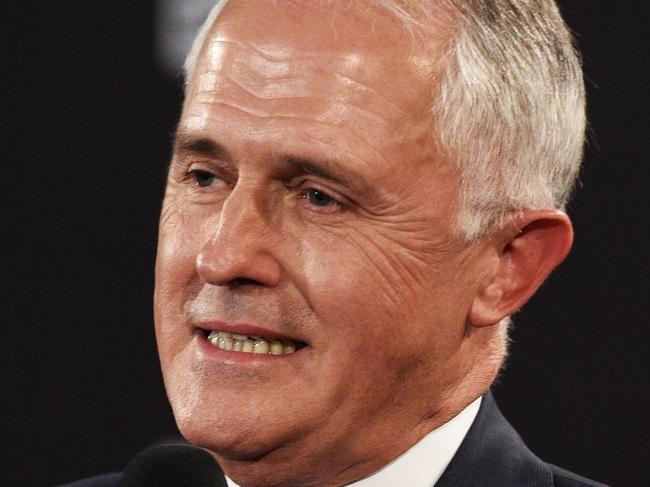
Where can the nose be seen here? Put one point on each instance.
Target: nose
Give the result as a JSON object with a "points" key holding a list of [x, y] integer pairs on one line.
{"points": [[241, 250]]}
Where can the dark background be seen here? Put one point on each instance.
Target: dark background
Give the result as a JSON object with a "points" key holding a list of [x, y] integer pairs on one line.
{"points": [[87, 119]]}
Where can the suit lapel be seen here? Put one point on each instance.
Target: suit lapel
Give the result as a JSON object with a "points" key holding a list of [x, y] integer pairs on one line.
{"points": [[493, 455]]}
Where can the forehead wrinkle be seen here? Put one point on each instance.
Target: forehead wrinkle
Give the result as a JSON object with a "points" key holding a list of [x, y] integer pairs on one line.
{"points": [[333, 114], [347, 105], [276, 117], [348, 90], [364, 89], [289, 54], [280, 53], [209, 124], [348, 69], [230, 51], [220, 88]]}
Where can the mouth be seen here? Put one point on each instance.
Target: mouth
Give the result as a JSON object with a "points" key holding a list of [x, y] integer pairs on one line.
{"points": [[251, 344]]}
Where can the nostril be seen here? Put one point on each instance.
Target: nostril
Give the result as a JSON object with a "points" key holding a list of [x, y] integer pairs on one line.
{"points": [[244, 281]]}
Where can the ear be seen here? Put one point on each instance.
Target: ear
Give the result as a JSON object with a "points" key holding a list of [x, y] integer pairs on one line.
{"points": [[526, 252]]}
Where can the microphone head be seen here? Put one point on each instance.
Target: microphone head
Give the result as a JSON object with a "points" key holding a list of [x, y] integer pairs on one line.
{"points": [[173, 465]]}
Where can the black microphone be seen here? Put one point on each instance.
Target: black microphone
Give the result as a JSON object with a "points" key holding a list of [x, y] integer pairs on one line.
{"points": [[173, 466]]}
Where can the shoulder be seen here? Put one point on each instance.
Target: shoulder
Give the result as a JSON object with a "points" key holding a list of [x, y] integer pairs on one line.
{"points": [[105, 480], [564, 478]]}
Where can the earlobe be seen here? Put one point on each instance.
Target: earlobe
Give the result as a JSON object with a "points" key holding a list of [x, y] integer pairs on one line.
{"points": [[527, 252]]}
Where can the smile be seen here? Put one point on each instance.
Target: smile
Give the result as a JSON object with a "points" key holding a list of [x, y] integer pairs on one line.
{"points": [[251, 344]]}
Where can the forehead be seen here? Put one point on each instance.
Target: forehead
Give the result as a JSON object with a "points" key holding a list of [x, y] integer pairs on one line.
{"points": [[333, 66], [281, 44], [319, 26]]}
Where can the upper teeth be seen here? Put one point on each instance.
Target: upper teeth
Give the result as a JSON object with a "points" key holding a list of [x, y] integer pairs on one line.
{"points": [[250, 344]]}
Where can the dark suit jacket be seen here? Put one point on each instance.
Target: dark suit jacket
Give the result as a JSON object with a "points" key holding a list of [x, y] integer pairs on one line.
{"points": [[494, 455], [491, 455]]}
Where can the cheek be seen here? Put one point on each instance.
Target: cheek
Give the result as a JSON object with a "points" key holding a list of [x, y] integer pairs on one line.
{"points": [[375, 341], [179, 241], [351, 291], [181, 236], [383, 298]]}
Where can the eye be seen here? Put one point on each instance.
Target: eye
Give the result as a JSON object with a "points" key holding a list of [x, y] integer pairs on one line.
{"points": [[202, 179], [319, 198], [319, 201]]}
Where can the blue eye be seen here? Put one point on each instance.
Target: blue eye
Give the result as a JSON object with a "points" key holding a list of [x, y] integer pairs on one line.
{"points": [[203, 178], [318, 198]]}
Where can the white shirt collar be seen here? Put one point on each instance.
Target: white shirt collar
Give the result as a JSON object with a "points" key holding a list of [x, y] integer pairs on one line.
{"points": [[422, 464]]}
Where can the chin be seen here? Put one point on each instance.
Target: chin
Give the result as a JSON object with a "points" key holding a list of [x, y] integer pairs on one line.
{"points": [[255, 453], [214, 436], [231, 421], [234, 438], [254, 459], [275, 469]]}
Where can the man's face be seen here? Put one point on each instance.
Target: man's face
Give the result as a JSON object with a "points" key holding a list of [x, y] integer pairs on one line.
{"points": [[306, 202]]}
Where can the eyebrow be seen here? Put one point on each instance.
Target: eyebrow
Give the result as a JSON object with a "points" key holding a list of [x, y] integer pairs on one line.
{"points": [[185, 142], [322, 168], [326, 168]]}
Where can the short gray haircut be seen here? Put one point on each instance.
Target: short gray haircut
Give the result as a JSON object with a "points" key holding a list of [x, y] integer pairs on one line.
{"points": [[509, 108]]}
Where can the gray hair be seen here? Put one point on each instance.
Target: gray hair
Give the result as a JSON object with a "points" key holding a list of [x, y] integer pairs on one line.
{"points": [[509, 109]]}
